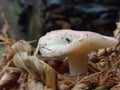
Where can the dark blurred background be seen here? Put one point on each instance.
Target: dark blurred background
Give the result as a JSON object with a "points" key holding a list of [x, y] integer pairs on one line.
{"points": [[29, 19]]}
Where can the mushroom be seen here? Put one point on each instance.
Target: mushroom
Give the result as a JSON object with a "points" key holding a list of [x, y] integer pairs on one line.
{"points": [[75, 45]]}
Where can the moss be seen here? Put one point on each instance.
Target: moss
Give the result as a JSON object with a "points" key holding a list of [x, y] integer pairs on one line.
{"points": [[1, 48]]}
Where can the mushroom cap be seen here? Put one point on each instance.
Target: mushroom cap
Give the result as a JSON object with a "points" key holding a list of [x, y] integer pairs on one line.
{"points": [[61, 42]]}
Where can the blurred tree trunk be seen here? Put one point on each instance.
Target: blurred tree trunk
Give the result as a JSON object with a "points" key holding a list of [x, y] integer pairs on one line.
{"points": [[32, 23], [37, 20]]}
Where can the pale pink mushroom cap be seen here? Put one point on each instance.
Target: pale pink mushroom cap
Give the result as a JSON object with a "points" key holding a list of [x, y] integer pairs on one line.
{"points": [[61, 42]]}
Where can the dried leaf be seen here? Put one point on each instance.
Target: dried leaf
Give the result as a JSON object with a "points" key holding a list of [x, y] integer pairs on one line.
{"points": [[51, 79], [21, 46], [41, 71], [5, 39], [46, 88], [35, 85], [35, 68], [116, 87], [9, 80], [65, 85], [105, 86], [82, 86], [18, 59]]}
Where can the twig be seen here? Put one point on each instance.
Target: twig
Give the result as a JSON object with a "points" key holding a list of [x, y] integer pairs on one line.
{"points": [[32, 41], [36, 51], [5, 68], [90, 76], [105, 76], [6, 26]]}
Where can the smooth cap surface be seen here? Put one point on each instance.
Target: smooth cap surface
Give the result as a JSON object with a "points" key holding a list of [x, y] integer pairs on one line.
{"points": [[60, 42]]}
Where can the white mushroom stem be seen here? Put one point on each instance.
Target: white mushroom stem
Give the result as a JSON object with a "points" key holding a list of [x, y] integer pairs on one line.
{"points": [[77, 63]]}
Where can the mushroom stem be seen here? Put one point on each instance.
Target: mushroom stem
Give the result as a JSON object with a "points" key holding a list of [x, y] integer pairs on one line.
{"points": [[77, 63]]}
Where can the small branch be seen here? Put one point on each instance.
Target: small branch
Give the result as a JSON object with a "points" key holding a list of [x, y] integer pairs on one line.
{"points": [[105, 76], [36, 51], [88, 77]]}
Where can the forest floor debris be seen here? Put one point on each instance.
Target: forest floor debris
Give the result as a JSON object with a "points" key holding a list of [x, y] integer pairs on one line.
{"points": [[21, 70]]}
